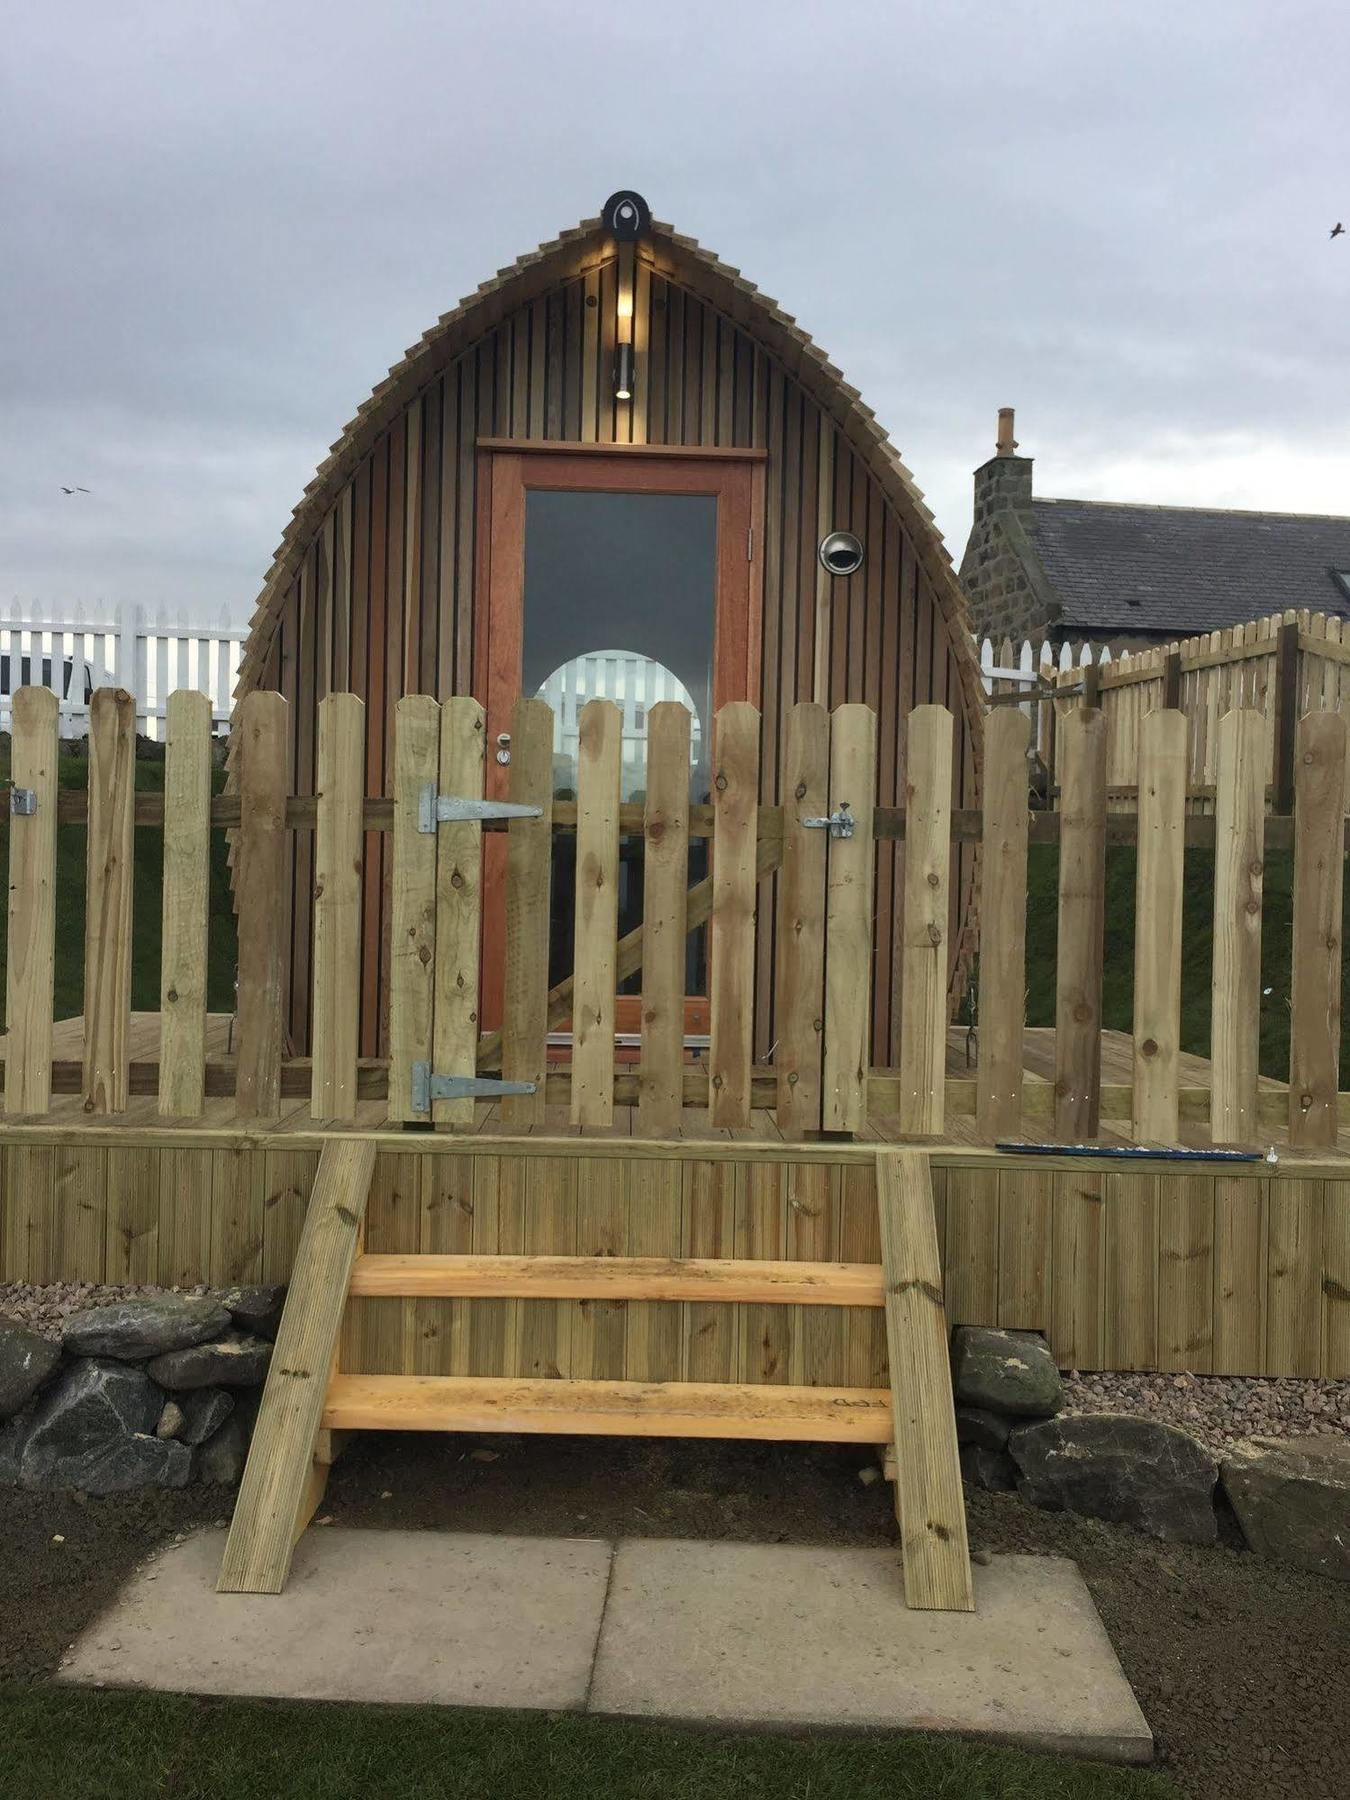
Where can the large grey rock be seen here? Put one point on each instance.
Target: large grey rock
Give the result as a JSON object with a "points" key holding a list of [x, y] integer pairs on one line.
{"points": [[989, 1469], [26, 1360], [94, 1428], [205, 1411], [1292, 1499], [1115, 1466], [131, 1330], [232, 1361], [1005, 1371], [255, 1309], [222, 1459], [988, 1430]]}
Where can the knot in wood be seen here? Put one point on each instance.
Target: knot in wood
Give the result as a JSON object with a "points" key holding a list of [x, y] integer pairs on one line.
{"points": [[799, 792], [1082, 1012], [935, 935], [172, 994], [934, 880], [1149, 1047], [457, 880], [424, 955], [721, 783]]}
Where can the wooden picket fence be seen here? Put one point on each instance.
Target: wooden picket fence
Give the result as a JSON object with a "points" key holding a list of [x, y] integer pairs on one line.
{"points": [[824, 949]]}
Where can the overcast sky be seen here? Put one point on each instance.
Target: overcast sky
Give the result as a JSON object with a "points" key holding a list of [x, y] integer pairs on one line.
{"points": [[220, 224]]}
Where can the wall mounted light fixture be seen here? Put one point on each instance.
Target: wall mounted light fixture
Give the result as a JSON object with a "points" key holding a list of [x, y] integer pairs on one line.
{"points": [[623, 373]]}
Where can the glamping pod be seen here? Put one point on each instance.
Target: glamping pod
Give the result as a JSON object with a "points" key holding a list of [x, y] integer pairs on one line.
{"points": [[617, 469]]}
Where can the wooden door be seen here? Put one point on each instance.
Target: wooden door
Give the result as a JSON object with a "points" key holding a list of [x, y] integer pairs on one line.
{"points": [[670, 587]]}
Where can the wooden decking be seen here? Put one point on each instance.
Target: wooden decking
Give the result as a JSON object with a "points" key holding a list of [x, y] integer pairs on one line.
{"points": [[222, 1117]]}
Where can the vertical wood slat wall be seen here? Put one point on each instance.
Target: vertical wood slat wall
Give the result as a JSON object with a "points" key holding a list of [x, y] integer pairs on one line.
{"points": [[382, 602]]}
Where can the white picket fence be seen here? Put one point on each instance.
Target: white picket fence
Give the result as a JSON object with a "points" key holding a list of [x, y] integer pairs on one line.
{"points": [[150, 658], [1006, 663]]}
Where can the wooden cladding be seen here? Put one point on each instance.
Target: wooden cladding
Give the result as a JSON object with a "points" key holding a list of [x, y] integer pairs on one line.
{"points": [[383, 602]]}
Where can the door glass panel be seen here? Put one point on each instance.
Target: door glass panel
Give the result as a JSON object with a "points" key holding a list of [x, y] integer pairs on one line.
{"points": [[619, 605]]}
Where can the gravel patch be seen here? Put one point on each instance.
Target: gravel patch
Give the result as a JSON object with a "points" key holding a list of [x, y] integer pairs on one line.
{"points": [[1219, 1410], [45, 1309]]}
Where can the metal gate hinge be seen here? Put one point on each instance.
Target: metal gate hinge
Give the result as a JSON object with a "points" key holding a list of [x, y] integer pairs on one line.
{"points": [[22, 802], [435, 809], [839, 824], [426, 1087]]}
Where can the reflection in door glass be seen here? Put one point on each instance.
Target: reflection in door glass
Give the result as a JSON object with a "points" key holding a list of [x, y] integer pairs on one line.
{"points": [[635, 684]]}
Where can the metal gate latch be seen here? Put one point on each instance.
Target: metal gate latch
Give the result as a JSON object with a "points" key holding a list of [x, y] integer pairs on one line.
{"points": [[22, 802], [435, 809], [839, 824], [427, 1087]]}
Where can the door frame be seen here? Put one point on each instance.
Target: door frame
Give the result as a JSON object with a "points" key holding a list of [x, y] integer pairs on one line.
{"points": [[506, 471]]}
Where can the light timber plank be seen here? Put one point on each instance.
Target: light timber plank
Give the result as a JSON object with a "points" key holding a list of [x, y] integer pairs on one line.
{"points": [[819, 1337], [655, 1205], [712, 1338], [1186, 1273], [664, 1277], [732, 946], [972, 1246], [27, 1206], [185, 1207], [262, 761], [1336, 1279], [550, 1228], [132, 1253], [1076, 1261], [1157, 939], [337, 906], [437, 1320], [929, 1503], [609, 1408], [1003, 924], [459, 898], [529, 852], [1319, 868], [377, 1335], [108, 884], [1294, 1292], [1081, 756], [187, 894], [1239, 824], [257, 1555], [665, 877], [598, 1328], [288, 1176], [412, 958], [1131, 1316], [799, 1005], [761, 1235], [80, 1213], [849, 901], [238, 1197], [859, 1241], [1025, 1223], [1241, 1210], [31, 944], [599, 749]]}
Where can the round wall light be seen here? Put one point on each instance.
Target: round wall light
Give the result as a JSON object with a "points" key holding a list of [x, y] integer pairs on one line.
{"points": [[841, 553]]}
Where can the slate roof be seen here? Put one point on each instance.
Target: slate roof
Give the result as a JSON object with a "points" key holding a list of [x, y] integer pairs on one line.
{"points": [[1179, 570]]}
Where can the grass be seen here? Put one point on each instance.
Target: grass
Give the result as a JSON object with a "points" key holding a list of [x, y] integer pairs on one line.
{"points": [[1042, 882], [145, 902], [111, 1746]]}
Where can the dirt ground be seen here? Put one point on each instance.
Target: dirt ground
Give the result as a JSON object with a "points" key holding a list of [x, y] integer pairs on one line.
{"points": [[1241, 1667]]}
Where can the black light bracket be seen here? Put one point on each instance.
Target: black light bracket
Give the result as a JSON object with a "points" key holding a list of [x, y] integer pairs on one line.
{"points": [[626, 216]]}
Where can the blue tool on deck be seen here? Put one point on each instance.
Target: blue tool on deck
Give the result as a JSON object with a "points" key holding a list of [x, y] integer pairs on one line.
{"points": [[1137, 1153]]}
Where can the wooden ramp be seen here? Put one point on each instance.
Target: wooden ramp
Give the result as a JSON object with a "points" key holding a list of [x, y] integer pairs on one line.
{"points": [[309, 1403]]}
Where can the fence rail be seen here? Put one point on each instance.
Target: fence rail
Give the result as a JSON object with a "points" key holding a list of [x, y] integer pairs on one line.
{"points": [[149, 659], [823, 940], [1280, 667]]}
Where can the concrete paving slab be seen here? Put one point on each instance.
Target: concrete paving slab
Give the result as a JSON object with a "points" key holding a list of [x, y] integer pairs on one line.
{"points": [[749, 1634], [450, 1619]]}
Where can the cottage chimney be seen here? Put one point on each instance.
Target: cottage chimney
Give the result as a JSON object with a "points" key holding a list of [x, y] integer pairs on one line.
{"points": [[997, 588]]}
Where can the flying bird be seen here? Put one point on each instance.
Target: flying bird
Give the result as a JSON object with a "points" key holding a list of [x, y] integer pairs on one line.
{"points": [[1338, 230], [74, 490]]}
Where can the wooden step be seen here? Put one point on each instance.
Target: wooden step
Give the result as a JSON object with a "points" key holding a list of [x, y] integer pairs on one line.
{"points": [[609, 1408], [619, 1278]]}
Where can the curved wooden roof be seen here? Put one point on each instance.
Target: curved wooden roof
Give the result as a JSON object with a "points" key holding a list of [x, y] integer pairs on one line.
{"points": [[683, 260]]}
